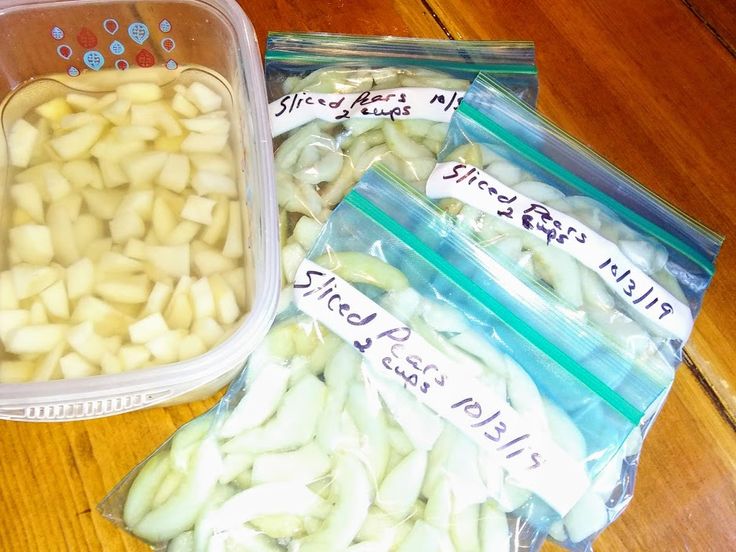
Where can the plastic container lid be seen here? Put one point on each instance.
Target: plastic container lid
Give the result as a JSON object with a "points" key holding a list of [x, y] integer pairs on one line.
{"points": [[212, 33]]}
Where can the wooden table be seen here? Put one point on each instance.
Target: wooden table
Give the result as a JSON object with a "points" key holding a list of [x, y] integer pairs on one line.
{"points": [[648, 84]]}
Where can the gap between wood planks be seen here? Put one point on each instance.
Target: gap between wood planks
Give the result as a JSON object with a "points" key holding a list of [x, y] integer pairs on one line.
{"points": [[708, 25], [686, 358]]}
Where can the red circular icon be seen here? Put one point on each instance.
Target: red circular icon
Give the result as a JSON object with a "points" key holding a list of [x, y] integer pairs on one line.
{"points": [[86, 38], [145, 59], [121, 64]]}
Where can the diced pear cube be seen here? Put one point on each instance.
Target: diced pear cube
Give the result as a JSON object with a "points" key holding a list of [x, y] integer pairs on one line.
{"points": [[80, 278], [169, 124], [178, 313], [191, 346], [163, 218], [226, 304], [213, 233], [97, 248], [33, 243], [103, 102], [111, 364], [55, 300], [55, 185], [35, 173], [175, 173], [198, 209], [140, 92], [107, 320], [110, 149], [48, 367], [138, 201], [102, 203], [8, 298], [183, 107], [234, 242], [87, 230], [12, 319], [205, 99], [26, 196], [207, 124], [208, 330], [78, 120], [39, 338], [113, 343], [170, 144], [38, 313], [16, 371], [54, 110], [129, 289], [147, 328], [203, 301], [236, 281], [212, 163], [61, 231], [82, 173], [133, 356], [30, 280], [207, 262], [21, 142], [78, 142], [86, 342], [80, 102], [165, 347], [172, 260], [183, 233], [306, 231], [112, 174], [116, 263], [208, 182], [143, 169], [125, 226], [75, 366], [135, 249], [20, 217], [159, 298], [135, 133], [117, 112], [196, 142]]}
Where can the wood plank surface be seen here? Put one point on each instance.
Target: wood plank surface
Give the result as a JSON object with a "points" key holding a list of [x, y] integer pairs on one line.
{"points": [[645, 83], [719, 16]]}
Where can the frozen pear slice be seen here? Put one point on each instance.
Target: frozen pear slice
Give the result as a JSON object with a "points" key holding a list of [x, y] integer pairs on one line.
{"points": [[198, 209], [214, 232], [38, 313], [175, 173], [87, 230], [116, 263], [78, 142], [39, 338], [207, 124], [32, 243], [203, 301], [128, 289], [74, 365], [135, 133], [78, 120], [236, 281], [80, 278], [97, 248], [172, 260], [110, 149], [111, 364], [138, 201], [56, 300], [80, 102], [26, 196], [210, 182], [21, 142], [183, 107], [140, 92], [55, 185]]}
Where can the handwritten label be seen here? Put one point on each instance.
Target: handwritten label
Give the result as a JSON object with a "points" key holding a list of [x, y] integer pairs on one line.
{"points": [[482, 191], [391, 348], [294, 110]]}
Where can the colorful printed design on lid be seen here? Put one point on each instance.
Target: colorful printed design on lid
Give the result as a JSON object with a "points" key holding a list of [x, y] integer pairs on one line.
{"points": [[111, 26], [121, 64], [138, 32], [171, 64], [168, 44], [72, 71], [57, 33], [87, 38], [117, 48], [145, 58], [64, 51], [94, 60], [164, 26]]}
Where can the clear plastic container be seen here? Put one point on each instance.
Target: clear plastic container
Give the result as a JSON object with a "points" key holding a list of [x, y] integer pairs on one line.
{"points": [[70, 37]]}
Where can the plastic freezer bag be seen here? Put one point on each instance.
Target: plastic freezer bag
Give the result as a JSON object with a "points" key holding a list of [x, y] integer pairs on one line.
{"points": [[622, 258], [340, 103], [408, 397]]}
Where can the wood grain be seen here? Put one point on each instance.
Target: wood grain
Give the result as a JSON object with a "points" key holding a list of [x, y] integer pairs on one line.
{"points": [[719, 16], [646, 84]]}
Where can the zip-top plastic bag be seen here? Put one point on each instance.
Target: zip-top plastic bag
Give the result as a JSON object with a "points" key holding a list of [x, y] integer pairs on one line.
{"points": [[339, 103], [410, 396], [628, 262]]}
